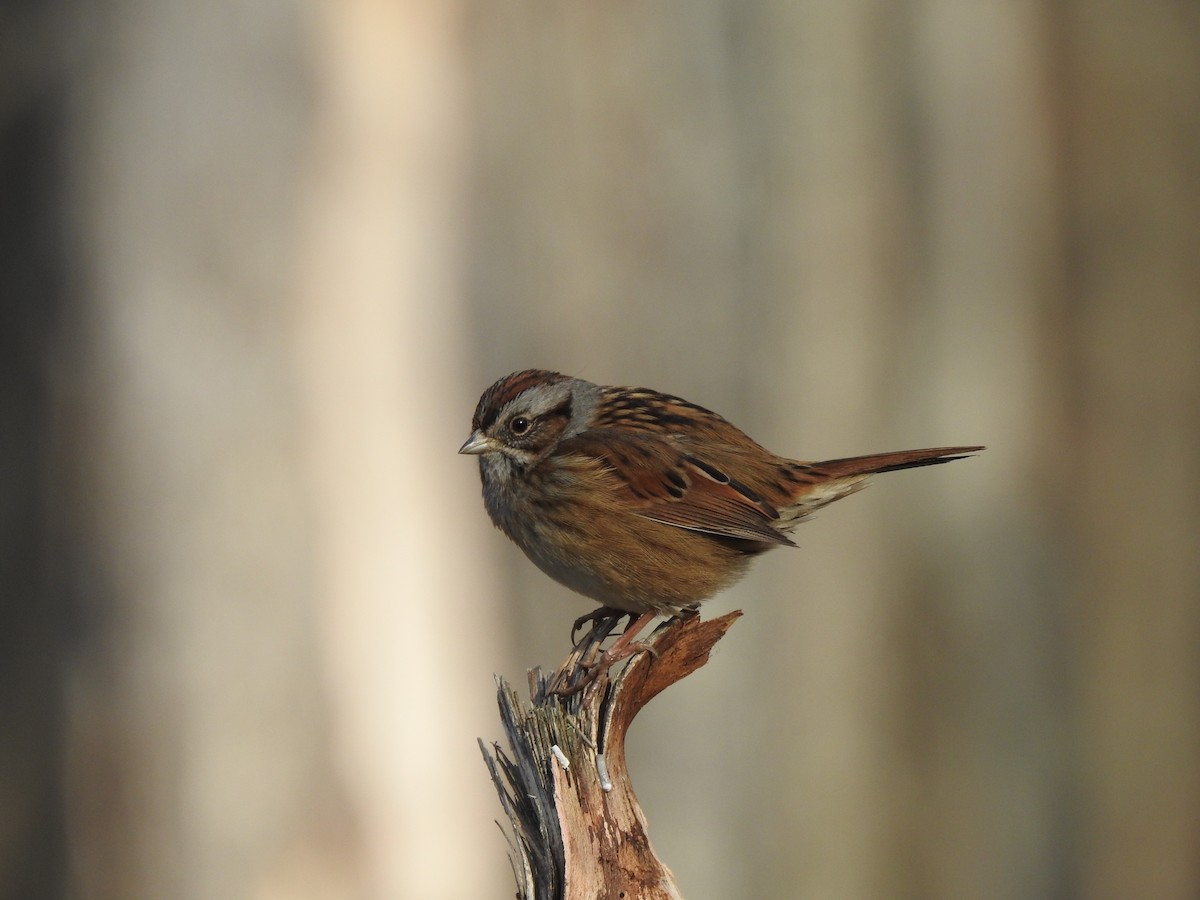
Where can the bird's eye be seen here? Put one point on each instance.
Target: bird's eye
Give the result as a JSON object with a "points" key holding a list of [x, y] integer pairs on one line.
{"points": [[519, 425]]}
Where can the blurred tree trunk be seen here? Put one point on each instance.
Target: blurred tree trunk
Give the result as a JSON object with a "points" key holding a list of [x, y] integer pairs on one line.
{"points": [[38, 615], [409, 636], [267, 237], [1130, 332], [198, 765]]}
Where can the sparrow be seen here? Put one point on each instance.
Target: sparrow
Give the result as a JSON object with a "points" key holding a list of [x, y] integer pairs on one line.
{"points": [[643, 501]]}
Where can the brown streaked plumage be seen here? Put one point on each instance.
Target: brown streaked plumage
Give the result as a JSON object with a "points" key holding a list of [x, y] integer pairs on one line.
{"points": [[640, 500]]}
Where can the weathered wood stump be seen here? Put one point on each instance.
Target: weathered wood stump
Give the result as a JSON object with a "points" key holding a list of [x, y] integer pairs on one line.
{"points": [[577, 829]]}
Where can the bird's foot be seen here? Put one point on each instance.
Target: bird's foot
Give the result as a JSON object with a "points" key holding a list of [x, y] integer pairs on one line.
{"points": [[600, 615], [623, 648]]}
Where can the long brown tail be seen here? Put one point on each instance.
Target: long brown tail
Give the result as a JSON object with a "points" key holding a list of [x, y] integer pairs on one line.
{"points": [[818, 484], [889, 462]]}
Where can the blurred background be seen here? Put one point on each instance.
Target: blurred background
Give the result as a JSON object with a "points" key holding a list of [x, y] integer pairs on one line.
{"points": [[261, 258]]}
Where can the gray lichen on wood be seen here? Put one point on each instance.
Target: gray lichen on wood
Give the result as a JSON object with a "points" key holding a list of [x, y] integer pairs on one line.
{"points": [[577, 830]]}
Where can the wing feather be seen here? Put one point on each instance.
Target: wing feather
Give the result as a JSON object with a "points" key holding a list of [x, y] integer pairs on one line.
{"points": [[663, 479]]}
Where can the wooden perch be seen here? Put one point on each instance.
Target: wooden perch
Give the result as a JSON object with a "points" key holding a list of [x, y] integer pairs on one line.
{"points": [[577, 829]]}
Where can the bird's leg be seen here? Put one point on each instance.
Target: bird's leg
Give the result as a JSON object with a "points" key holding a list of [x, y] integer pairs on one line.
{"points": [[587, 649], [622, 648]]}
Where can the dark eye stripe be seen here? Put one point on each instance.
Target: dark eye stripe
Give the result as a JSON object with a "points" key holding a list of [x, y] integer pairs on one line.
{"points": [[525, 423]]}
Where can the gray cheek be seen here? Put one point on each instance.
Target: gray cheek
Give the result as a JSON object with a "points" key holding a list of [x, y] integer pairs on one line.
{"points": [[585, 399]]}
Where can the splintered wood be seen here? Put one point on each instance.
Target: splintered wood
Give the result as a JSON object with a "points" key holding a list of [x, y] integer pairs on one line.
{"points": [[576, 828]]}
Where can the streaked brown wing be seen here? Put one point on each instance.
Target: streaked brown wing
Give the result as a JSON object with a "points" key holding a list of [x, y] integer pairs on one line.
{"points": [[666, 481]]}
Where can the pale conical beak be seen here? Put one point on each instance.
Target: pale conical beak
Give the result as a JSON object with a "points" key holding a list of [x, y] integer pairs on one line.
{"points": [[479, 443]]}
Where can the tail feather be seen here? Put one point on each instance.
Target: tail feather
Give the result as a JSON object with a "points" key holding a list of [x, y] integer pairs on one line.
{"points": [[821, 483], [877, 463]]}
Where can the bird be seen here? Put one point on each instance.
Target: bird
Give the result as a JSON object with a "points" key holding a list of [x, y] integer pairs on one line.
{"points": [[640, 500]]}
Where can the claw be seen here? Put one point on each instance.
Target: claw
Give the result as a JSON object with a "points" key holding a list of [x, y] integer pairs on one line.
{"points": [[597, 615], [623, 648]]}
